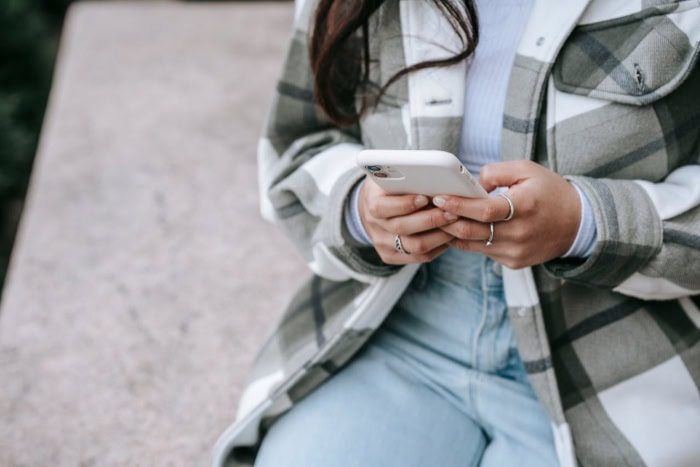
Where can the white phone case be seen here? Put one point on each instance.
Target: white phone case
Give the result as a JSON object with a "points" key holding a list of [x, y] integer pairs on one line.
{"points": [[419, 172]]}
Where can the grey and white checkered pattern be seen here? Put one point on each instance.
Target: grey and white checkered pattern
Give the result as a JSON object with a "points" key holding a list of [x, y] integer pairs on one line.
{"points": [[605, 92]]}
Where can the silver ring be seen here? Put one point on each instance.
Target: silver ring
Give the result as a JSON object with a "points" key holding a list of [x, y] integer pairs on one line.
{"points": [[511, 208], [398, 247], [489, 242]]}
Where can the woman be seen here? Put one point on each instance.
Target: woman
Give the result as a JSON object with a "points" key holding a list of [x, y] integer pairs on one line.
{"points": [[555, 324]]}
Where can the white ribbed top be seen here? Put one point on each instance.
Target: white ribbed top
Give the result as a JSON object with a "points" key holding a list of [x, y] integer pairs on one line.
{"points": [[501, 24]]}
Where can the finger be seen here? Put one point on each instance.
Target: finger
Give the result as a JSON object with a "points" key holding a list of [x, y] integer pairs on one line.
{"points": [[491, 209], [400, 258], [478, 246], [416, 249], [382, 205], [465, 229], [419, 221], [426, 242], [514, 256], [504, 174], [500, 252]]}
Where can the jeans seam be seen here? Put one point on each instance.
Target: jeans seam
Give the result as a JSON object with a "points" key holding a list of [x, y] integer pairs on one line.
{"points": [[484, 312]]}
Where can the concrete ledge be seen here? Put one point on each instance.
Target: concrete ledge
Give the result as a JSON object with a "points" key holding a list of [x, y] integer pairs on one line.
{"points": [[143, 279]]}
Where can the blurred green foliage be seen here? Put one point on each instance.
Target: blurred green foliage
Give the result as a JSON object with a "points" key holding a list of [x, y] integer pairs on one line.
{"points": [[29, 31]]}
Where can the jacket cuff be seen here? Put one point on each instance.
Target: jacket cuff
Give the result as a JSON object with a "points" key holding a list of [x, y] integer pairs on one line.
{"points": [[353, 221], [629, 234], [586, 236]]}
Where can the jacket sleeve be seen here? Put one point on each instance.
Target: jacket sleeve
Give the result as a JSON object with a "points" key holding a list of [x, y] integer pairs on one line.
{"points": [[306, 169], [648, 242]]}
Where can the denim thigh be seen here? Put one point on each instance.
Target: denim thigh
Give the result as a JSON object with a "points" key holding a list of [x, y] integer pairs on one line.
{"points": [[440, 383]]}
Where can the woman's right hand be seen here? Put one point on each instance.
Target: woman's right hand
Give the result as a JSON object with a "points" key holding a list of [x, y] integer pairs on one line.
{"points": [[385, 216]]}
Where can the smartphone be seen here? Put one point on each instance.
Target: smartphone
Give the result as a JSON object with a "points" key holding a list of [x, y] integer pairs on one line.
{"points": [[422, 172]]}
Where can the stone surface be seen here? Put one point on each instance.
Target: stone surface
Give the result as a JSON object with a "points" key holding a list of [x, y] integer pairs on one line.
{"points": [[143, 279]]}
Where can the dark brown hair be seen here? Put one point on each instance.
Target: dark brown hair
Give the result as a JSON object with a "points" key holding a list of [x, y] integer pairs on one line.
{"points": [[339, 52]]}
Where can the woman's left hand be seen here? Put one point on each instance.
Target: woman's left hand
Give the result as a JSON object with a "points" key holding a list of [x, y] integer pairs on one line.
{"points": [[547, 214]]}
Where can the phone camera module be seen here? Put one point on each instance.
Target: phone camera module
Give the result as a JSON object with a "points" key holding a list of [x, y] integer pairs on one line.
{"points": [[373, 168]]}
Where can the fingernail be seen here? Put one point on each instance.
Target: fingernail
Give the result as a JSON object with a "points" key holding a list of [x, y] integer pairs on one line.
{"points": [[421, 201], [439, 201], [450, 217]]}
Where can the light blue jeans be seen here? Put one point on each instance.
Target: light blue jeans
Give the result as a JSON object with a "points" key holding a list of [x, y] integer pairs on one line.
{"points": [[440, 384]]}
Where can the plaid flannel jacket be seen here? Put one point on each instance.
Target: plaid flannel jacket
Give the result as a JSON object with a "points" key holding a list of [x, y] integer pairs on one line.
{"points": [[606, 93]]}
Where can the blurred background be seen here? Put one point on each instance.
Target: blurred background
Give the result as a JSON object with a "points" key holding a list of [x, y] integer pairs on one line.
{"points": [[29, 34], [142, 279]]}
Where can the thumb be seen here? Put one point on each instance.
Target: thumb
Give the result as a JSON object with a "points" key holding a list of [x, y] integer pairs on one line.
{"points": [[503, 174]]}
